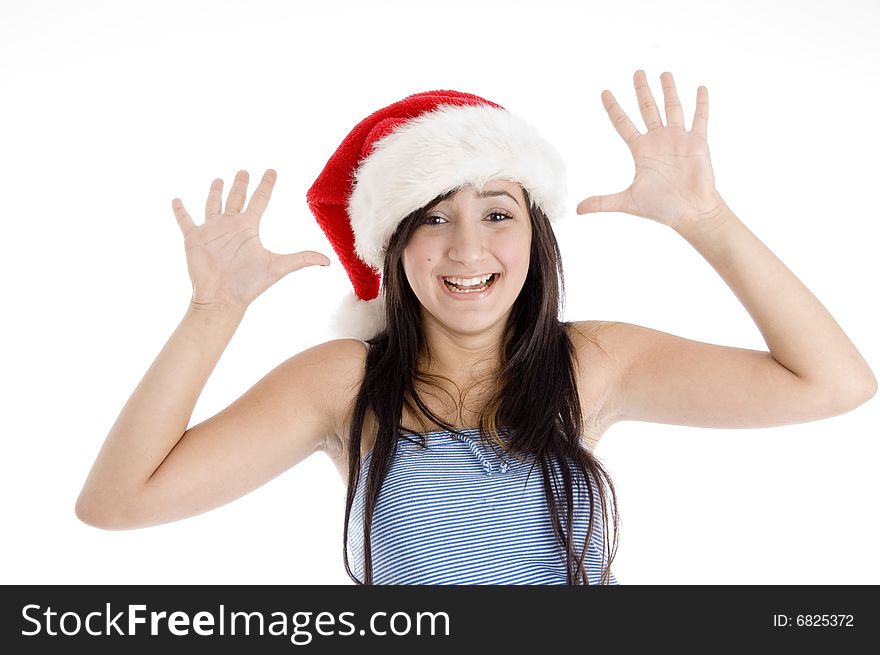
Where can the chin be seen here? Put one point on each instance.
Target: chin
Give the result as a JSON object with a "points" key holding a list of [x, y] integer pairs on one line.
{"points": [[468, 325]]}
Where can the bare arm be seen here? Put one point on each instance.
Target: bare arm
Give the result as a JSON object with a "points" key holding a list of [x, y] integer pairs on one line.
{"points": [[151, 468], [811, 371], [156, 415], [641, 374], [802, 336]]}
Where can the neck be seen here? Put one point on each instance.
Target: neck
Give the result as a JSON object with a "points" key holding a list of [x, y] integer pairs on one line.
{"points": [[461, 357]]}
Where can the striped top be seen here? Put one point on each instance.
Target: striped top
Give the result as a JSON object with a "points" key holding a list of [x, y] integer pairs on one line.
{"points": [[457, 512]]}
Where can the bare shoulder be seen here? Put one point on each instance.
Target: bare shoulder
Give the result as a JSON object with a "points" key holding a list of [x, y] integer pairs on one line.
{"points": [[339, 373], [658, 377], [598, 370], [281, 420]]}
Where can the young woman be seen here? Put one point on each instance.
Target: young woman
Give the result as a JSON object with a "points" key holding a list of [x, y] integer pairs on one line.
{"points": [[463, 413]]}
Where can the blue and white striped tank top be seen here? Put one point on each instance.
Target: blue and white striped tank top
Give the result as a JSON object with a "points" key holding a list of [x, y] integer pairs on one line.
{"points": [[457, 512]]}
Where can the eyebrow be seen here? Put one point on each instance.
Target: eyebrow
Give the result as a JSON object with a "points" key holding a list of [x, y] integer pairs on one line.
{"points": [[485, 194], [492, 194]]}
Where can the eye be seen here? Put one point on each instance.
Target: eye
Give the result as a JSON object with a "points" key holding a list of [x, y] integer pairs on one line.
{"points": [[503, 216], [431, 220]]}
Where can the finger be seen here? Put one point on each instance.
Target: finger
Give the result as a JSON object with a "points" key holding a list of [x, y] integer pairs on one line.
{"points": [[674, 116], [183, 218], [263, 192], [215, 198], [309, 258], [646, 101], [616, 202], [619, 119], [284, 264], [237, 193], [701, 115]]}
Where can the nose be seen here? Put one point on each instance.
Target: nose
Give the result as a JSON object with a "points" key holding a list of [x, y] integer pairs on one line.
{"points": [[466, 243]]}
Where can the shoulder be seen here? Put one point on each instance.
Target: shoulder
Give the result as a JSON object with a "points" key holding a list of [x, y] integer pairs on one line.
{"points": [[331, 363], [343, 357], [336, 371], [338, 364], [598, 369]]}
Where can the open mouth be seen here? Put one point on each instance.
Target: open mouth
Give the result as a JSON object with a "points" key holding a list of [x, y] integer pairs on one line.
{"points": [[470, 285]]}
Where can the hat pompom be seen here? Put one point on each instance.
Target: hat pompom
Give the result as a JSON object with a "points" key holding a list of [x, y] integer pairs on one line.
{"points": [[359, 319]]}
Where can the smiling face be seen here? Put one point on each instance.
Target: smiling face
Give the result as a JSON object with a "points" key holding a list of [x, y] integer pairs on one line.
{"points": [[468, 259]]}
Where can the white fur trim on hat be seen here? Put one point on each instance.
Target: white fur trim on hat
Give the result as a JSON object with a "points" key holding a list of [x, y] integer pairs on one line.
{"points": [[359, 319], [442, 150]]}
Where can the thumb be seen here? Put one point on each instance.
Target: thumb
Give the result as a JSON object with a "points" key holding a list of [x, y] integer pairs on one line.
{"points": [[616, 202], [284, 264]]}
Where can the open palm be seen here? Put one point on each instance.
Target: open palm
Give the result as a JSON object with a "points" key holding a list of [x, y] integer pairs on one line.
{"points": [[674, 183], [227, 262]]}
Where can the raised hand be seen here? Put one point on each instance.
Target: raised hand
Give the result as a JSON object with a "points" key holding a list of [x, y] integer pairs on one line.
{"points": [[674, 183], [227, 262]]}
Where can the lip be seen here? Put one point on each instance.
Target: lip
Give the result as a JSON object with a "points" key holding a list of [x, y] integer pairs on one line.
{"points": [[467, 296], [471, 275]]}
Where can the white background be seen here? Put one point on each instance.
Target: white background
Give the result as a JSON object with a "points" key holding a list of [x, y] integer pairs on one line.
{"points": [[111, 109]]}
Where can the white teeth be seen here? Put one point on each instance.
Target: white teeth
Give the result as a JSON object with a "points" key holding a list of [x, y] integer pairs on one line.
{"points": [[469, 285], [468, 282]]}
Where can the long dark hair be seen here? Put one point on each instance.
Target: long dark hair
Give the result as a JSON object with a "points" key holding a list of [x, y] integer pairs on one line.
{"points": [[534, 403]]}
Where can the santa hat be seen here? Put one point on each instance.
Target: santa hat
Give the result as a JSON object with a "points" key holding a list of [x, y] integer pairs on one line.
{"points": [[400, 158]]}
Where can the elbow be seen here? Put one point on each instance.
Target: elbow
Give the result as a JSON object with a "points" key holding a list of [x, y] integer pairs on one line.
{"points": [[870, 390], [871, 386], [867, 388], [853, 394], [90, 515], [98, 515], [833, 398]]}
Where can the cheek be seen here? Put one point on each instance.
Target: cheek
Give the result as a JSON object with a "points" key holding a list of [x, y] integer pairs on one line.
{"points": [[516, 253], [416, 261]]}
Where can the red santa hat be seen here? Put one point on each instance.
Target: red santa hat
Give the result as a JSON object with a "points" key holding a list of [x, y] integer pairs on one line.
{"points": [[400, 158]]}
